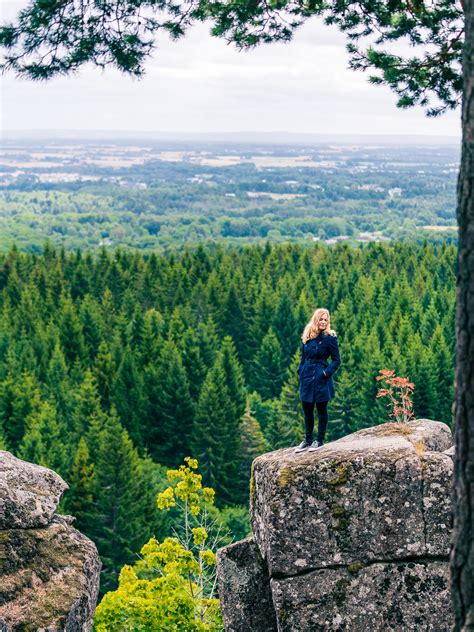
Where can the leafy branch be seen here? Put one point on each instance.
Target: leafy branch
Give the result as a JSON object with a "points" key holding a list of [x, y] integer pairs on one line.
{"points": [[399, 395]]}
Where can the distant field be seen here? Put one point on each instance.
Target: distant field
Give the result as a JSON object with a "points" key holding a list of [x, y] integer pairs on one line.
{"points": [[161, 195], [440, 227]]}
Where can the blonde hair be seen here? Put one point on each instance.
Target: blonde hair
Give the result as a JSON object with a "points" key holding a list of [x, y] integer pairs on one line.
{"points": [[312, 329]]}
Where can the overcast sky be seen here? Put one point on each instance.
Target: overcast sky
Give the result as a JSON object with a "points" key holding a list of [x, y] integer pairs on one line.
{"points": [[200, 84]]}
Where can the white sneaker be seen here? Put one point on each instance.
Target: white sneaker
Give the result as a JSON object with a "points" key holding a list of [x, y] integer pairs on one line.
{"points": [[303, 446], [315, 446]]}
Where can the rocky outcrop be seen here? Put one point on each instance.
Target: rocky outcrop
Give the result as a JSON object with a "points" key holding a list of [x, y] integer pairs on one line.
{"points": [[245, 595], [29, 494], [49, 571], [354, 536]]}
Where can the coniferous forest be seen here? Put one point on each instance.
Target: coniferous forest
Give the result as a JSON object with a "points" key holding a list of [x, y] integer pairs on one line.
{"points": [[117, 365]]}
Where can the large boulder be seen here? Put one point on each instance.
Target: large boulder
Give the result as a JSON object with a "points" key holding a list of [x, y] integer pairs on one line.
{"points": [[29, 494], [49, 571], [404, 596], [244, 585], [360, 526], [366, 497]]}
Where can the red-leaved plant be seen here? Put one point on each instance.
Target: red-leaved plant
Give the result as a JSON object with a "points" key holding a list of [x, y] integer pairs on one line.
{"points": [[399, 392]]}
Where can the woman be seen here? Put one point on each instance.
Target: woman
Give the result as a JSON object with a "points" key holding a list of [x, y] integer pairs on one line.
{"points": [[316, 386]]}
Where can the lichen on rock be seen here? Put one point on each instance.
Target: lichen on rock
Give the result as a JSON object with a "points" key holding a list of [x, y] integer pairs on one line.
{"points": [[365, 515], [49, 571]]}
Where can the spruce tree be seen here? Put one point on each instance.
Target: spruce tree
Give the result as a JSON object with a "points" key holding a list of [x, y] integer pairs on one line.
{"points": [[423, 373], [288, 425], [285, 327], [444, 368], [70, 332], [43, 441], [170, 409], [267, 413], [269, 366], [120, 528], [87, 412], [212, 433], [342, 420], [252, 444], [79, 498], [91, 322], [234, 377], [104, 373], [18, 398], [57, 383], [127, 396], [234, 322], [193, 360], [151, 338]]}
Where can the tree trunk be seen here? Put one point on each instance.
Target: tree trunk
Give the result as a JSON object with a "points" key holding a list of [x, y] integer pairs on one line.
{"points": [[462, 554]]}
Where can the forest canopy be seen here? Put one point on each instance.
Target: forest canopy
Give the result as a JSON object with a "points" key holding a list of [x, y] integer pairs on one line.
{"points": [[115, 365]]}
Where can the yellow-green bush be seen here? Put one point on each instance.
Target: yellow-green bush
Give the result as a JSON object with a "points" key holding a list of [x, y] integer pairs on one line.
{"points": [[172, 586]]}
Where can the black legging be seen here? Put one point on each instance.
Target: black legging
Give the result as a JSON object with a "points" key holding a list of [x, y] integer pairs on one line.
{"points": [[308, 408]]}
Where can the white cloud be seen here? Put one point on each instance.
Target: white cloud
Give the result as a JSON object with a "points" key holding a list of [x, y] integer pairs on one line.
{"points": [[202, 84]]}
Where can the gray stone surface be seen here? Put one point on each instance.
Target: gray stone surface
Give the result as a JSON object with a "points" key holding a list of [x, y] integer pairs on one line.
{"points": [[437, 472], [391, 596], [49, 571], [435, 436], [49, 578], [360, 499], [356, 535], [29, 494], [244, 588]]}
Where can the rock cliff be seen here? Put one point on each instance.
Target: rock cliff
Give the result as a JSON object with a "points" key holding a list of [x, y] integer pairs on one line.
{"points": [[49, 572], [354, 536]]}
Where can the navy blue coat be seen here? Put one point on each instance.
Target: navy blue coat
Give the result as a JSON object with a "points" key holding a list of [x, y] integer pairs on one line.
{"points": [[316, 384]]}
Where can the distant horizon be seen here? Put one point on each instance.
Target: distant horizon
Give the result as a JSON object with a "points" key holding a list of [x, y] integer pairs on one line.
{"points": [[246, 137], [200, 84]]}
